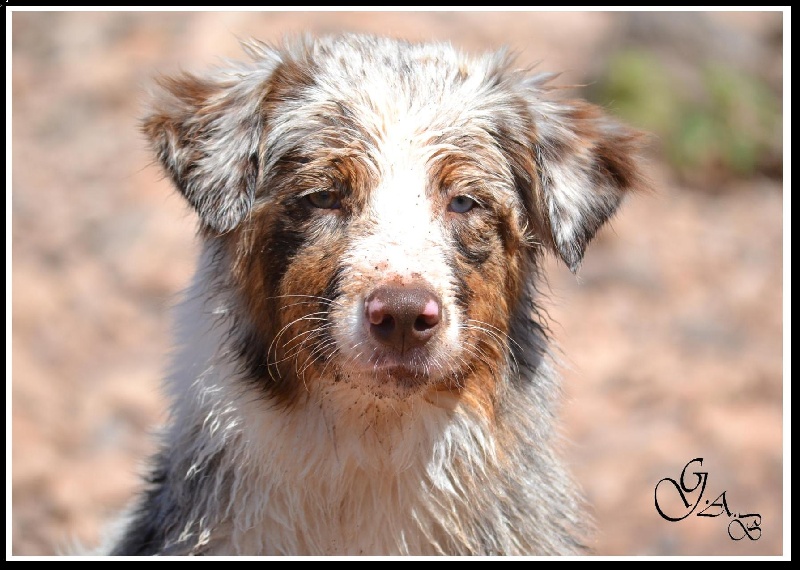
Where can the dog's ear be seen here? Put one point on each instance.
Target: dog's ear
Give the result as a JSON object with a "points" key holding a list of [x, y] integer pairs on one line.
{"points": [[206, 132], [585, 163]]}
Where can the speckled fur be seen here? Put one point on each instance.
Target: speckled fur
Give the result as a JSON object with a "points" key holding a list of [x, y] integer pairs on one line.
{"points": [[289, 433]]}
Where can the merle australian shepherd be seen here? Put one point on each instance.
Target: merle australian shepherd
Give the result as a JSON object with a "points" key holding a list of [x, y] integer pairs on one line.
{"points": [[361, 367]]}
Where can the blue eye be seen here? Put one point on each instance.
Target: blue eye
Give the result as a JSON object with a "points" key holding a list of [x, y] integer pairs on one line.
{"points": [[461, 204], [325, 200]]}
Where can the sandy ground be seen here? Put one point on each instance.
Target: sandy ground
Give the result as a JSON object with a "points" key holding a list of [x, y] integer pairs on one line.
{"points": [[671, 333]]}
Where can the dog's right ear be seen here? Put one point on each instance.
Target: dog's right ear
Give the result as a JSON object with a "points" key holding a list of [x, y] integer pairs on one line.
{"points": [[206, 132]]}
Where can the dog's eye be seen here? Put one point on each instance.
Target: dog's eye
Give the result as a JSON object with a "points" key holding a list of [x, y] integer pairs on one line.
{"points": [[325, 200], [461, 204]]}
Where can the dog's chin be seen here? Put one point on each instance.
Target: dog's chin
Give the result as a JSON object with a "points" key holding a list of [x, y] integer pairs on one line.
{"points": [[395, 382], [403, 377]]}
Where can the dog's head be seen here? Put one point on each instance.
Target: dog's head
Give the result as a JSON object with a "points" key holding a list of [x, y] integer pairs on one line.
{"points": [[377, 207]]}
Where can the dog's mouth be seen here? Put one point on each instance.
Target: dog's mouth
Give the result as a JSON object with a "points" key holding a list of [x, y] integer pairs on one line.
{"points": [[402, 376], [391, 375], [392, 383]]}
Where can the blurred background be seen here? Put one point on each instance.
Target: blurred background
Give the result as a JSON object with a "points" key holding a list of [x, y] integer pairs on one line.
{"points": [[671, 333]]}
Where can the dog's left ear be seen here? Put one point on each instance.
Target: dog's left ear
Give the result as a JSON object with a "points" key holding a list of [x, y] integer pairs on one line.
{"points": [[585, 163], [206, 132]]}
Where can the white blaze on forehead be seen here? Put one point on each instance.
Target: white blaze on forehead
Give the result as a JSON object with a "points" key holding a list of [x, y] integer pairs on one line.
{"points": [[406, 235]]}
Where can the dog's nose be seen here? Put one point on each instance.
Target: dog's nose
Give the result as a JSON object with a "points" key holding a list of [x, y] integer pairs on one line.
{"points": [[402, 317]]}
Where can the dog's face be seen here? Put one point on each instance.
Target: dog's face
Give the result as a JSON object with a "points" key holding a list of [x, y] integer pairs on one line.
{"points": [[377, 208]]}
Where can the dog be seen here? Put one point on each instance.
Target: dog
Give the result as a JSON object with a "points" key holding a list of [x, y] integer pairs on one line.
{"points": [[361, 368]]}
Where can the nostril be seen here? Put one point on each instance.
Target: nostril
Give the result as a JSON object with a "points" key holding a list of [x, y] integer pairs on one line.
{"points": [[422, 324], [376, 311], [429, 317], [385, 327]]}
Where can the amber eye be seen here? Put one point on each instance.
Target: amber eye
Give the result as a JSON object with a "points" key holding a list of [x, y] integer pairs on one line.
{"points": [[461, 204], [325, 199]]}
